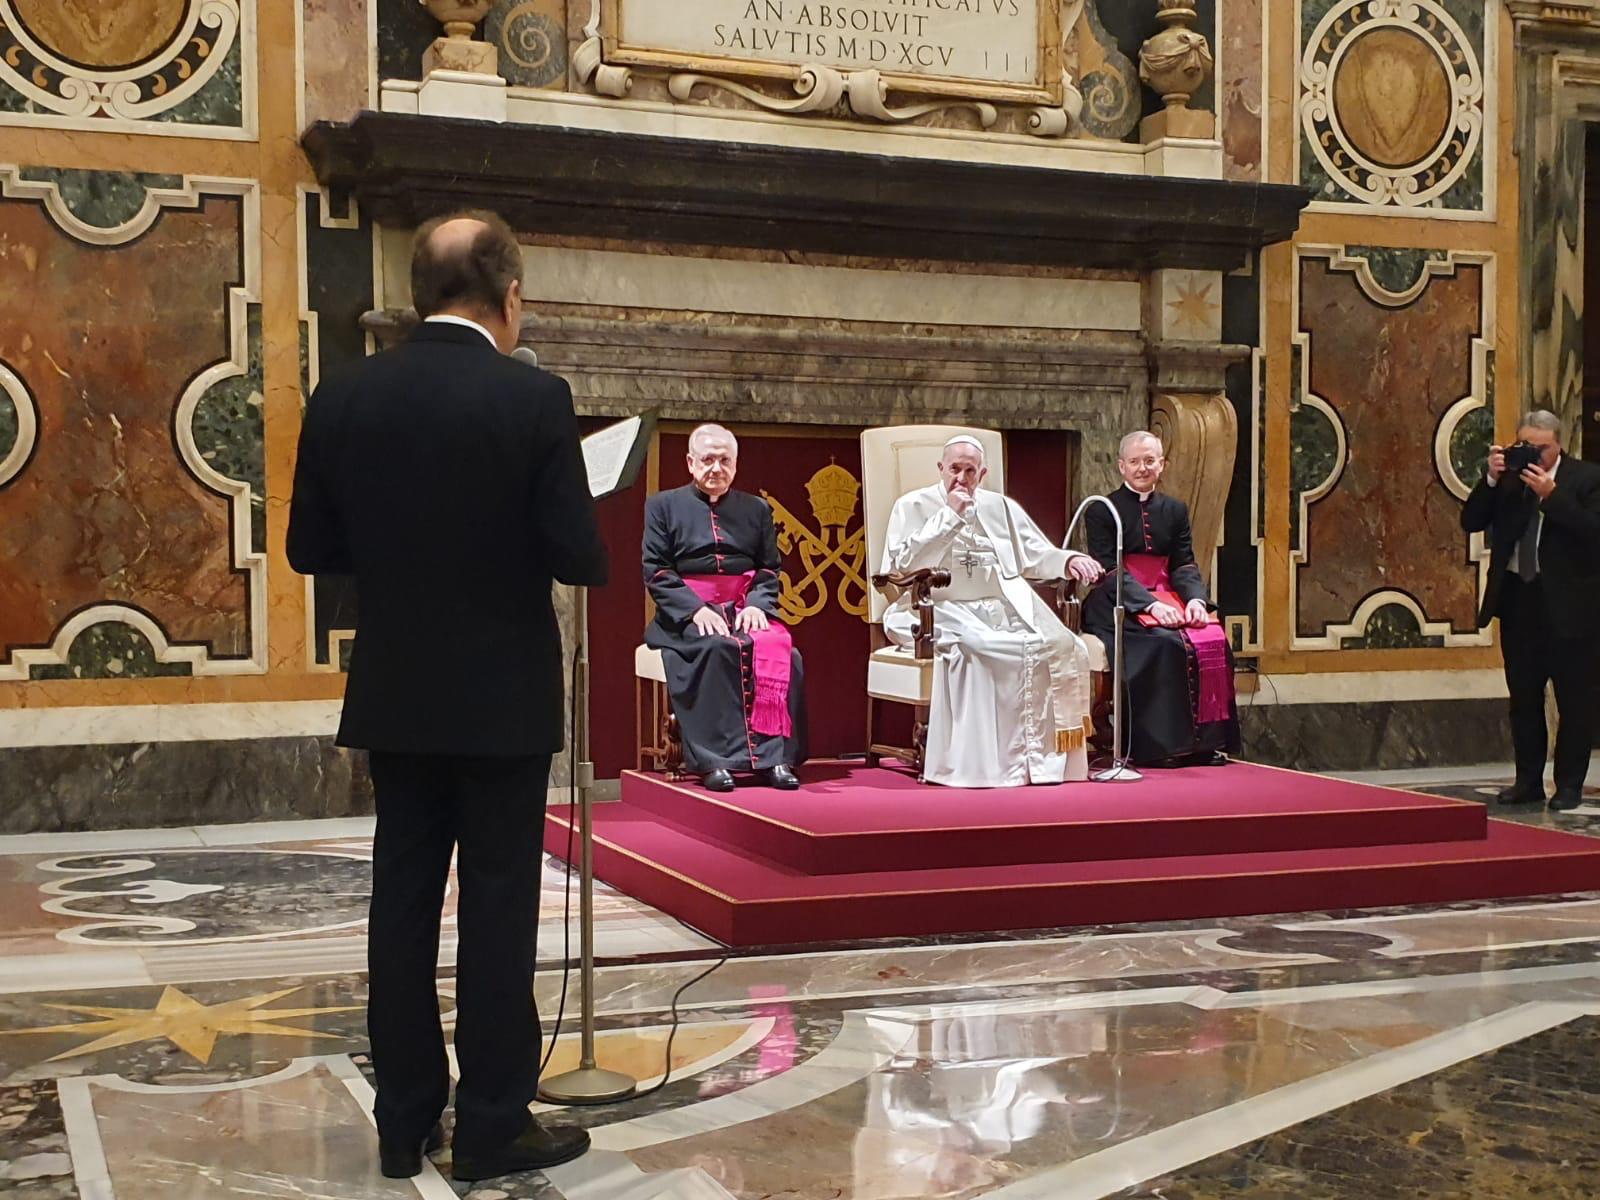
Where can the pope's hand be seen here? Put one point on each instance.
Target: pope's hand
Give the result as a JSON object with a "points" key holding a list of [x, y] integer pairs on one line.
{"points": [[751, 620], [1166, 615], [959, 499], [1197, 613], [1084, 568], [710, 622]]}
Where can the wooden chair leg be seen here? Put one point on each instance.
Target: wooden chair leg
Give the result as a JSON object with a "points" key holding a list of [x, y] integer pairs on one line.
{"points": [[873, 757], [674, 745]]}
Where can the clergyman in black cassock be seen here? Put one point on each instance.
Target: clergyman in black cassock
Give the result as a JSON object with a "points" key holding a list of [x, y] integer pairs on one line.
{"points": [[711, 565], [1165, 697]]}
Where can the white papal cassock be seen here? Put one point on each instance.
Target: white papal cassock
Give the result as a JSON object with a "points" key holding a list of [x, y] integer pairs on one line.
{"points": [[1010, 682]]}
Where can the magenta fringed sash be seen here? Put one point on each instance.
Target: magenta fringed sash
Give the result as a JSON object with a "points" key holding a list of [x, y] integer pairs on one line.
{"points": [[1209, 641], [770, 656]]}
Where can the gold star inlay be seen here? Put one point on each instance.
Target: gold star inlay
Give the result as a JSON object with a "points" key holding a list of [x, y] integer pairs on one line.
{"points": [[191, 1026], [1194, 305]]}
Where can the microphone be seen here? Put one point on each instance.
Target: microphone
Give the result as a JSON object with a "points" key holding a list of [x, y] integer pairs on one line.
{"points": [[524, 355]]}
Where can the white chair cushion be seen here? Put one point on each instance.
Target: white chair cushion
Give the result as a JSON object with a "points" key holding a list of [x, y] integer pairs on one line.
{"points": [[895, 674], [1097, 653], [647, 664]]}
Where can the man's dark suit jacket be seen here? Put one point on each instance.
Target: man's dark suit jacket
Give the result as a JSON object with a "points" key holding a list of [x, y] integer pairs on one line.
{"points": [[1569, 547], [448, 479]]}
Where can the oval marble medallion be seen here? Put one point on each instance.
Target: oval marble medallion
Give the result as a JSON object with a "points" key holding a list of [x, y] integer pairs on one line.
{"points": [[100, 35], [1393, 97]]}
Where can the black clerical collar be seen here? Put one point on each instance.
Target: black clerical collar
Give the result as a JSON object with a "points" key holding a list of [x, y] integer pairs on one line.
{"points": [[1141, 497], [712, 500]]}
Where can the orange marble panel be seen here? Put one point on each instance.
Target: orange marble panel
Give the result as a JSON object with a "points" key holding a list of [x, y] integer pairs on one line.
{"points": [[92, 33], [107, 340]]}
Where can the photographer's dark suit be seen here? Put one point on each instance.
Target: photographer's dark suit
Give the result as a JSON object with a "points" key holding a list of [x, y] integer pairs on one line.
{"points": [[449, 480], [1550, 627]]}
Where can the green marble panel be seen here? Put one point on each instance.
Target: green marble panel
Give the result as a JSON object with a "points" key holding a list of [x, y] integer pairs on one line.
{"points": [[101, 199], [110, 650], [229, 431], [1392, 627], [1395, 268], [8, 424], [1469, 444], [220, 103]]}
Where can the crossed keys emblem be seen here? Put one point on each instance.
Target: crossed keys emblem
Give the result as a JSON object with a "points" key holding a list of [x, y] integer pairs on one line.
{"points": [[834, 494]]}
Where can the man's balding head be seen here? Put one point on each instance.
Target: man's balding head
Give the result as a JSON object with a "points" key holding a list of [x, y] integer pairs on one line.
{"points": [[467, 264]]}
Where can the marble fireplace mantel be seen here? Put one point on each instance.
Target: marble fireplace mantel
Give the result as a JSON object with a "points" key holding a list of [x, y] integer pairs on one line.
{"points": [[404, 169]]}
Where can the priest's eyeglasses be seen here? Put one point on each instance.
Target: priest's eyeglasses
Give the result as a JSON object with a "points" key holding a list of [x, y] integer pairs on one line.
{"points": [[714, 460], [1148, 460]]}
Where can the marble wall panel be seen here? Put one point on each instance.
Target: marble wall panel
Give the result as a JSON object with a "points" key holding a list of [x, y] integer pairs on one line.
{"points": [[337, 278], [151, 784], [1241, 87], [1377, 736], [335, 54], [1397, 105], [1381, 379], [1236, 581], [134, 65], [108, 510]]}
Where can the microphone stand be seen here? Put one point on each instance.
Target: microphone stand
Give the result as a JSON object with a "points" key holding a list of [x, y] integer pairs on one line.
{"points": [[1119, 771], [588, 1083]]}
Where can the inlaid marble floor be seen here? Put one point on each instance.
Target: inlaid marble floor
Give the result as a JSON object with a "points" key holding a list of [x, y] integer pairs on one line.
{"points": [[181, 1016]]}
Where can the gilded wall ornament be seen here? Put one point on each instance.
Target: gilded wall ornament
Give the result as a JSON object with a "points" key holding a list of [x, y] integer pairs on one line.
{"points": [[835, 496]]}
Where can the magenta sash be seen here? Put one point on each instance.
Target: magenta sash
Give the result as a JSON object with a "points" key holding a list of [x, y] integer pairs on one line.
{"points": [[1209, 641], [770, 661]]}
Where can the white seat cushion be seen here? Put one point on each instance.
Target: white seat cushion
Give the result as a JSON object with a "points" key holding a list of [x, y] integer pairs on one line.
{"points": [[647, 664], [895, 674], [1097, 653]]}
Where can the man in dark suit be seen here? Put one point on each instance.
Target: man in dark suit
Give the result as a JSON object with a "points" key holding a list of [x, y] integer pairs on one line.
{"points": [[448, 479], [1544, 580]]}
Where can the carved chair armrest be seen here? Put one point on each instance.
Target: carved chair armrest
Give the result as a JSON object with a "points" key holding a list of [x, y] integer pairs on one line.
{"points": [[921, 585], [1069, 602]]}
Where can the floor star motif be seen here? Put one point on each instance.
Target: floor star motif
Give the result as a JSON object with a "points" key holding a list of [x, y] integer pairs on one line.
{"points": [[188, 1024], [1194, 304]]}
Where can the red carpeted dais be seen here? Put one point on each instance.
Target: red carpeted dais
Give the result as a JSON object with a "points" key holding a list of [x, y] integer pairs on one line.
{"points": [[859, 853]]}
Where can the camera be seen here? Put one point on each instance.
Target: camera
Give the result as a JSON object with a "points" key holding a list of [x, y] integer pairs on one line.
{"points": [[1522, 456]]}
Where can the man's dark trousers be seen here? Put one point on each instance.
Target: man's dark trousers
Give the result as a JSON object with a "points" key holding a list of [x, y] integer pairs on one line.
{"points": [[490, 811], [1534, 656]]}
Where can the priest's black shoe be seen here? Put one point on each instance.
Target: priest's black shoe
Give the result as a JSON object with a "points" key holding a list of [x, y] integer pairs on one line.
{"points": [[1566, 799], [720, 780], [536, 1149], [780, 777], [1521, 793], [405, 1161]]}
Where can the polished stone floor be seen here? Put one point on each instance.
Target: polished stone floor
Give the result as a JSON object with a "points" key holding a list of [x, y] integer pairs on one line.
{"points": [[181, 1017]]}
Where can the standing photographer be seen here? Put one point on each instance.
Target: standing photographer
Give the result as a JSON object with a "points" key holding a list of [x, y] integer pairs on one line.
{"points": [[1542, 510]]}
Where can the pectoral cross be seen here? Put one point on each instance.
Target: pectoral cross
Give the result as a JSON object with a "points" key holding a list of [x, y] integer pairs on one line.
{"points": [[967, 561]]}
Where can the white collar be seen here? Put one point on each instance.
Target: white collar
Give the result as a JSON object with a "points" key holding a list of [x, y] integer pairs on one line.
{"points": [[1141, 497], [450, 319]]}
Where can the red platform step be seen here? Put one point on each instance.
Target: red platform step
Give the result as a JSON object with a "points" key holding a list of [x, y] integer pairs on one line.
{"points": [[848, 819], [727, 865]]}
